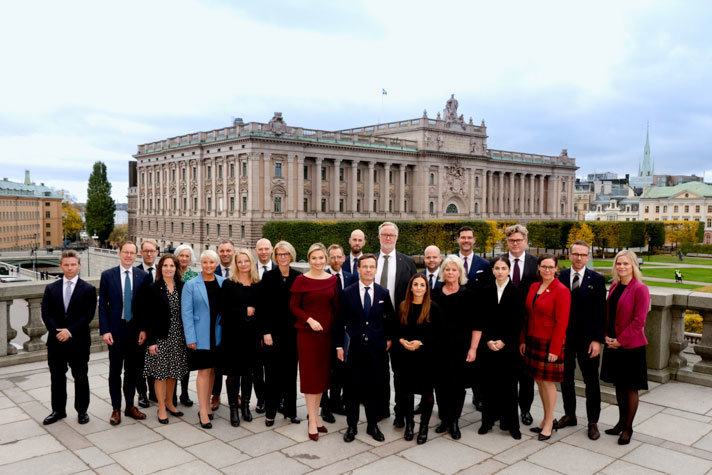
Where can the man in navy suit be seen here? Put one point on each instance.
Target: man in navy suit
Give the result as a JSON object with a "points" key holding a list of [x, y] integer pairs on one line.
{"points": [[118, 289], [433, 258], [226, 252], [357, 241], [336, 262], [144, 385], [476, 268], [363, 335], [68, 305], [584, 336]]}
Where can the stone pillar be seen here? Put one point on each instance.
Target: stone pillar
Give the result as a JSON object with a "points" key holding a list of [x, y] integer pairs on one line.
{"points": [[34, 328], [511, 195], [521, 200], [316, 192], [353, 192], [267, 184], [704, 347], [385, 187], [291, 204], [7, 333], [368, 205], [401, 189], [336, 186], [485, 190], [500, 196], [440, 210], [542, 209], [300, 185], [677, 338], [531, 207]]}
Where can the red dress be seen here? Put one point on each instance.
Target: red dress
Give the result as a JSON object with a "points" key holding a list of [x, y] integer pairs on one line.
{"points": [[317, 299]]}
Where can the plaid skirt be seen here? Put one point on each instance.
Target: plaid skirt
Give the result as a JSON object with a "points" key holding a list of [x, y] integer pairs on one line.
{"points": [[536, 361]]}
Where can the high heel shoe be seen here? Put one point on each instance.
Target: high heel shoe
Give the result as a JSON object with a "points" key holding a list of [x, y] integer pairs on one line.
{"points": [[622, 440], [615, 430], [536, 430], [175, 413], [208, 425], [269, 422], [163, 421], [322, 429], [554, 427], [314, 437]]}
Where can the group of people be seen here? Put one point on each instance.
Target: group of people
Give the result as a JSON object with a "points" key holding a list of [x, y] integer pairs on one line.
{"points": [[495, 326]]}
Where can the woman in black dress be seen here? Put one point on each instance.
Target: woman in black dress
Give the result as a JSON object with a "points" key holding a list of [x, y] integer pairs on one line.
{"points": [[240, 342], [498, 352], [413, 355], [456, 343], [166, 359], [279, 336]]}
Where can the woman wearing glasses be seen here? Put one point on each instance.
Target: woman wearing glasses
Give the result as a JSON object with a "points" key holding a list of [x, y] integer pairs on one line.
{"points": [[542, 342]]}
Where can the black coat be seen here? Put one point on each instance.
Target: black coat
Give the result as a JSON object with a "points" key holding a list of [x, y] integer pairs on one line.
{"points": [[275, 317], [154, 312], [587, 318], [405, 269], [501, 320], [413, 370], [531, 265], [459, 317], [240, 338], [81, 310]]}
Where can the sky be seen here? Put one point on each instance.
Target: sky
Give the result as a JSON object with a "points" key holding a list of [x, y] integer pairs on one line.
{"points": [[84, 81]]}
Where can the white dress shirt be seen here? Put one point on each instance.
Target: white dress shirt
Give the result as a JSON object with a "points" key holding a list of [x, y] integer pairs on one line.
{"points": [[521, 258], [500, 290], [391, 273], [261, 267], [574, 274], [435, 277], [64, 286]]}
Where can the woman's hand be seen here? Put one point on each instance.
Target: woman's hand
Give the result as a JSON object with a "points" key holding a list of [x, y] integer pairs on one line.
{"points": [[552, 358], [612, 343], [522, 348], [405, 343], [471, 355], [250, 311], [192, 346], [316, 326], [153, 349], [268, 339]]}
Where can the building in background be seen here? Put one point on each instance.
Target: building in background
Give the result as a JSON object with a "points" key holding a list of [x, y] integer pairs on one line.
{"points": [[30, 215], [614, 200], [690, 201], [646, 169], [672, 180], [200, 187]]}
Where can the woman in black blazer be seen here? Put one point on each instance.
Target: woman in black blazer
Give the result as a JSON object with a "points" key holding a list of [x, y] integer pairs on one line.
{"points": [[160, 318], [501, 325]]}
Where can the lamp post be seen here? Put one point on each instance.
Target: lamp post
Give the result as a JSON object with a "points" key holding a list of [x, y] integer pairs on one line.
{"points": [[650, 240], [94, 237]]}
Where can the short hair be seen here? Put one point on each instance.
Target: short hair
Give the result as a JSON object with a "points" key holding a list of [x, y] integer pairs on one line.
{"points": [[386, 224], [465, 228], [516, 228], [254, 273], [317, 246], [69, 253], [151, 242], [210, 254], [182, 248], [579, 243], [544, 257], [503, 259], [633, 258], [453, 259], [159, 267], [287, 247], [225, 241], [364, 257], [334, 246], [124, 243], [263, 239]]}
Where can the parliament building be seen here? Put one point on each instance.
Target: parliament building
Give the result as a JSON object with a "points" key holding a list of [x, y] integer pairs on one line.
{"points": [[227, 183]]}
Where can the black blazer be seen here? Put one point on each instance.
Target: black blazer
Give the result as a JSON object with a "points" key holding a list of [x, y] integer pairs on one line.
{"points": [[275, 318], [531, 264], [347, 266], [155, 268], [154, 312], [405, 268], [375, 328], [349, 278], [438, 284], [587, 319], [502, 320], [80, 311]]}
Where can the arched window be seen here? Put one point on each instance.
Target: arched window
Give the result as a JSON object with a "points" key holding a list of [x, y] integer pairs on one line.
{"points": [[451, 209], [477, 182], [477, 208], [432, 178], [432, 208]]}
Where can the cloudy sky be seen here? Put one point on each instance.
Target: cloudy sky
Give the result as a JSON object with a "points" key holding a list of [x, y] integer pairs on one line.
{"points": [[88, 81]]}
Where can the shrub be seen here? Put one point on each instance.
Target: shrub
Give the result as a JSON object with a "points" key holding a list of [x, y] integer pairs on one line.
{"points": [[693, 322]]}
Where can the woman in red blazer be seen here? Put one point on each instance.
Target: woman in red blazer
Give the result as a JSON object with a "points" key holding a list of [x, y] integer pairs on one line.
{"points": [[542, 342], [624, 362]]}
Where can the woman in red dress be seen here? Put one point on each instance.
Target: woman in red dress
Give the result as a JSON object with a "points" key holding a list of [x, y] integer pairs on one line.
{"points": [[314, 304]]}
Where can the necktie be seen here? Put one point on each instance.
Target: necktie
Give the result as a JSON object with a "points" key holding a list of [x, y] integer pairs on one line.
{"points": [[354, 266], [127, 297], [67, 295], [227, 272], [467, 267], [577, 282], [384, 274], [431, 282], [341, 282], [264, 269], [366, 302], [150, 274], [516, 278]]}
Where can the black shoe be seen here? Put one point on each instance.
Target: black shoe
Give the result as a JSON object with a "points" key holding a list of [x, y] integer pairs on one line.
{"points": [[54, 417], [417, 409], [185, 400], [83, 418], [143, 401], [399, 422], [280, 408], [339, 409], [478, 405], [260, 407], [422, 434], [484, 429], [455, 431], [209, 425], [376, 433], [246, 413], [443, 427], [327, 416], [536, 430], [554, 427], [568, 420], [615, 430], [163, 421], [516, 435], [234, 415], [350, 434], [625, 436], [408, 433], [527, 418], [295, 420], [175, 413], [269, 422], [210, 416]]}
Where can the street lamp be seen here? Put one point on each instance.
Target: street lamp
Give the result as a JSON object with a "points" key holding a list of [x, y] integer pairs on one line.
{"points": [[94, 237]]}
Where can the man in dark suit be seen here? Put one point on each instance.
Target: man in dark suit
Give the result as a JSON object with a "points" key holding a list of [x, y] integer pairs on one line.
{"points": [[394, 273], [68, 305], [363, 336], [263, 249], [226, 252], [433, 258], [118, 289], [357, 241], [336, 261], [144, 385], [584, 336], [523, 274], [476, 268]]}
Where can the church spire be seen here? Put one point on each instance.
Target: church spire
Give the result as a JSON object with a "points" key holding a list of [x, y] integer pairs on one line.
{"points": [[647, 167]]}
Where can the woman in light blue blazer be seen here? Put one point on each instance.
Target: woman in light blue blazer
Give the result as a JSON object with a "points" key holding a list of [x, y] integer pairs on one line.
{"points": [[200, 306]]}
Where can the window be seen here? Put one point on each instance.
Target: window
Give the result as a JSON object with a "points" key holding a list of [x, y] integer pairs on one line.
{"points": [[229, 230], [195, 204], [687, 208], [306, 172], [219, 173], [405, 206], [358, 205], [207, 229], [158, 205], [49, 243], [341, 173], [647, 209], [390, 206], [675, 208], [242, 231], [48, 234], [375, 176], [306, 205], [218, 230], [232, 204], [432, 208], [150, 205], [323, 173], [173, 174], [664, 208], [46, 214], [210, 204], [341, 205], [182, 228], [277, 204], [697, 209], [183, 174], [375, 205], [390, 177], [358, 175], [209, 172], [477, 206], [709, 222], [46, 203], [185, 203], [278, 170], [657, 208], [192, 228], [244, 204], [220, 204], [244, 169], [195, 173], [432, 178], [323, 205], [451, 209], [563, 185], [232, 170], [143, 176], [477, 182], [405, 178], [175, 204], [48, 225], [171, 228], [709, 208]]}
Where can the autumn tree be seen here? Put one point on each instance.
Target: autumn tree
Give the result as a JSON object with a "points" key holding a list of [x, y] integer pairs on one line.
{"points": [[580, 232], [71, 221]]}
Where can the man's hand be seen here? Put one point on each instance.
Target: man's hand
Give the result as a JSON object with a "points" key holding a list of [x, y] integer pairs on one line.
{"points": [[340, 354], [141, 338], [388, 345], [63, 334], [268, 339], [471, 355], [153, 349], [594, 349], [108, 339]]}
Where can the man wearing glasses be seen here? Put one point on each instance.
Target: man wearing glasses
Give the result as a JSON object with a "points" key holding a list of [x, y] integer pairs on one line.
{"points": [[144, 385], [584, 336], [523, 273]]}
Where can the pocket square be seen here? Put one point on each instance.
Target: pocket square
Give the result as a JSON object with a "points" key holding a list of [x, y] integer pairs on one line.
{"points": [[590, 287], [478, 272], [380, 301]]}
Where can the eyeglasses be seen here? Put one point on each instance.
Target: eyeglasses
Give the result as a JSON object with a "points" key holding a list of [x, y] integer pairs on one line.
{"points": [[580, 256], [390, 236], [515, 241], [282, 254], [547, 268]]}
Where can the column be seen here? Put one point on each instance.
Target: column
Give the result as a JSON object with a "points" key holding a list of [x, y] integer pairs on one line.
{"points": [[267, 184], [485, 190], [291, 204], [336, 186], [500, 204], [440, 210], [316, 192], [368, 205], [34, 328], [385, 188], [511, 194], [542, 208], [353, 192], [400, 191], [531, 194], [521, 200], [299, 199]]}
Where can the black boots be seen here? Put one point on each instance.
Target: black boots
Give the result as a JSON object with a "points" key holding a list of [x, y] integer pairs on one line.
{"points": [[232, 392], [426, 409]]}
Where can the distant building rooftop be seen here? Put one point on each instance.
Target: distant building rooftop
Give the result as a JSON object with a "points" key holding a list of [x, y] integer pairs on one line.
{"points": [[695, 187], [28, 189]]}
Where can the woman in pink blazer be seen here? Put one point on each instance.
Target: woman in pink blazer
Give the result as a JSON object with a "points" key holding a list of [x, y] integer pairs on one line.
{"points": [[624, 356]]}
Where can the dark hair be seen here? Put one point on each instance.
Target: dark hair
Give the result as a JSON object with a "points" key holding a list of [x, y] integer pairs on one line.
{"points": [[404, 308], [70, 253], [544, 257], [502, 259], [465, 228], [366, 256], [159, 267]]}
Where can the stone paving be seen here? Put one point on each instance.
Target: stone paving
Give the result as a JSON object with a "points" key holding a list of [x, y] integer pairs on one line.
{"points": [[673, 434]]}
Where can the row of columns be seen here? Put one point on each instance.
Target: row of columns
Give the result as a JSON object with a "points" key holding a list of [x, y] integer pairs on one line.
{"points": [[516, 202]]}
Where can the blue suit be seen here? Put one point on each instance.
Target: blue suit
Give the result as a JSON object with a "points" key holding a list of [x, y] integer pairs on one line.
{"points": [[437, 284], [349, 278], [195, 311], [348, 268], [479, 271]]}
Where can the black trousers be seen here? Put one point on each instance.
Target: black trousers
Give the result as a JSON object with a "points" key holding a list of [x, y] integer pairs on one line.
{"points": [[499, 394], [74, 354], [450, 394], [364, 376], [123, 355], [144, 384], [333, 397], [526, 387], [589, 369], [281, 365]]}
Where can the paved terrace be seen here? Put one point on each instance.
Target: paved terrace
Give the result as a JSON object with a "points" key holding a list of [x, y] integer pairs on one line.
{"points": [[673, 434]]}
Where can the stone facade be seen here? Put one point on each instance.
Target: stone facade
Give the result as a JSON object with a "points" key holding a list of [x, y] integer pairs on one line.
{"points": [[229, 182], [690, 201]]}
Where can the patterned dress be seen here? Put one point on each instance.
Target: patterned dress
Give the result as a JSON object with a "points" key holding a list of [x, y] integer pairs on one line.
{"points": [[171, 360], [189, 274]]}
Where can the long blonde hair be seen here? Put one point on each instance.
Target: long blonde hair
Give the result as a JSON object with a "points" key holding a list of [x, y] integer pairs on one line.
{"points": [[633, 258], [254, 274]]}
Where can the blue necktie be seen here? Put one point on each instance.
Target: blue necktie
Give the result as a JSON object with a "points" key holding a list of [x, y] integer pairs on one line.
{"points": [[127, 297], [67, 295], [431, 281], [366, 302]]}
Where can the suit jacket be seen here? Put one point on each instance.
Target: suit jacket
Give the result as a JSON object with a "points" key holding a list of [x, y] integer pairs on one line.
{"points": [[76, 318], [195, 313], [438, 284], [549, 316], [111, 299], [349, 278], [347, 266], [587, 318], [631, 312], [367, 333], [143, 268], [502, 320], [405, 268], [219, 271], [479, 272], [531, 264], [154, 314]]}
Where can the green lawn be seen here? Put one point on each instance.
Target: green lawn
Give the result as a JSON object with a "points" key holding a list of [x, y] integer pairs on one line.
{"points": [[700, 261], [651, 283], [564, 263], [697, 274]]}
